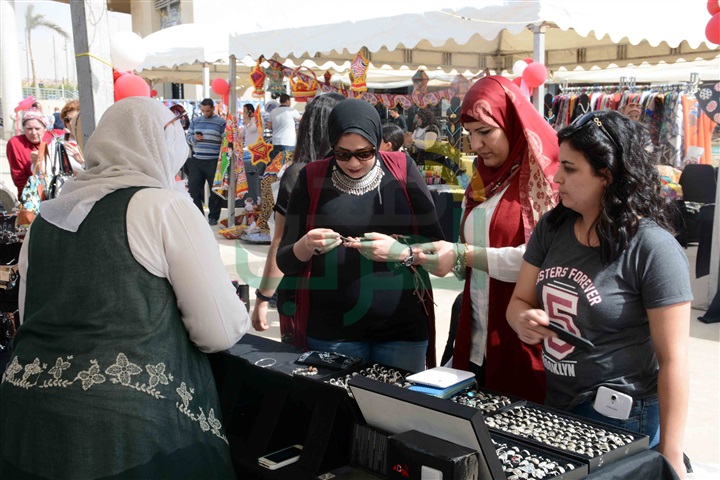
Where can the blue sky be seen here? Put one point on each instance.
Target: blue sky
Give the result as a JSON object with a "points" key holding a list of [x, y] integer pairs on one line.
{"points": [[51, 65]]}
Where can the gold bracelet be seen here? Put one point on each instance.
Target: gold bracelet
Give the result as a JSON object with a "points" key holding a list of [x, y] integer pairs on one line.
{"points": [[465, 252]]}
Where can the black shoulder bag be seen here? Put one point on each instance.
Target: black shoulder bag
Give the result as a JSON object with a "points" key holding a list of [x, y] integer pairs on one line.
{"points": [[61, 171]]}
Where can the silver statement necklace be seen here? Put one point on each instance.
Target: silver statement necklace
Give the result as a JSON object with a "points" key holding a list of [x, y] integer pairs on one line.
{"points": [[357, 186]]}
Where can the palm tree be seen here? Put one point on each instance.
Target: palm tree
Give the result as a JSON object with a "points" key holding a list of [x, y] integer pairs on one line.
{"points": [[33, 21]]}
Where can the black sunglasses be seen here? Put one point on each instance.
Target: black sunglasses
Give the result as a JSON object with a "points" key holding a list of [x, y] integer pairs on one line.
{"points": [[362, 155], [177, 117], [580, 122]]}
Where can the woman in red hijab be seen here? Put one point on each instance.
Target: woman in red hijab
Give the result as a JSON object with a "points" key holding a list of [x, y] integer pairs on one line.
{"points": [[509, 191], [20, 147]]}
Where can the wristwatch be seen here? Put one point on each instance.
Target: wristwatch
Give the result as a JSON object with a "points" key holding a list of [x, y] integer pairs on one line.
{"points": [[409, 260]]}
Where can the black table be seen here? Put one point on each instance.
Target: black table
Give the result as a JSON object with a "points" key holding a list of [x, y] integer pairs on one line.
{"points": [[266, 408]]}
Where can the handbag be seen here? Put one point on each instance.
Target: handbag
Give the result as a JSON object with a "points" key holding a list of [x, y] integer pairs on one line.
{"points": [[62, 171]]}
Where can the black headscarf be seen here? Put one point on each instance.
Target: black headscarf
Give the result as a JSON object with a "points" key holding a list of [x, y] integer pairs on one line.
{"points": [[355, 116]]}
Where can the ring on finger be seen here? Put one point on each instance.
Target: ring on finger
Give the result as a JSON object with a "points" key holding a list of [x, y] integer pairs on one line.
{"points": [[317, 251]]}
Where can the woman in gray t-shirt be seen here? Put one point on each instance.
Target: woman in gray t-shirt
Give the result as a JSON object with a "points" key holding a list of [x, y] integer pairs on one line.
{"points": [[603, 265]]}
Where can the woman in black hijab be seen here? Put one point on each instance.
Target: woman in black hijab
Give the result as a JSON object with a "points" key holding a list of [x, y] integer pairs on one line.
{"points": [[365, 298]]}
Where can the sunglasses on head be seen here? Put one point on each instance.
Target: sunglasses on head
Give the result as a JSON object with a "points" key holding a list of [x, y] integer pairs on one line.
{"points": [[177, 117], [362, 155], [589, 117]]}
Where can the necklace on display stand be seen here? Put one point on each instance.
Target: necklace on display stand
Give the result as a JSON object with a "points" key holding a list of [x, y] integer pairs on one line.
{"points": [[357, 186]]}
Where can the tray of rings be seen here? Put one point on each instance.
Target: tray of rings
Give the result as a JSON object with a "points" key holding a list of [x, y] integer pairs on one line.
{"points": [[334, 385], [380, 373], [485, 400], [520, 461], [592, 442]]}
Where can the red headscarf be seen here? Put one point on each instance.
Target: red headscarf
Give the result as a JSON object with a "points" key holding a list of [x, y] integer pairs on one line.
{"points": [[511, 366], [533, 148]]}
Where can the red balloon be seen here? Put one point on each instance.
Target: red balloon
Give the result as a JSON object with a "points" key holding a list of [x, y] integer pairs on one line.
{"points": [[528, 60], [153, 93], [713, 6], [712, 30], [535, 74], [220, 86], [130, 85], [226, 98], [517, 81]]}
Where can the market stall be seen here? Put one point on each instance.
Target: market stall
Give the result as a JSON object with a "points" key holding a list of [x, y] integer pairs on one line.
{"points": [[348, 419]]}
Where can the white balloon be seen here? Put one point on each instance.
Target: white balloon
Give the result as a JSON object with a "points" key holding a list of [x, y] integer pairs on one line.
{"points": [[127, 51], [519, 67]]}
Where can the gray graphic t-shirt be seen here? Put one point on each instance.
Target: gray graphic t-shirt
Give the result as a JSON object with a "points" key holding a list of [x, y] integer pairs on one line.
{"points": [[607, 305]]}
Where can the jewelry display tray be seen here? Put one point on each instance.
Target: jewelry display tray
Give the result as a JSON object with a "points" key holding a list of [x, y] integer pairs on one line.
{"points": [[321, 383], [579, 472], [639, 443], [513, 400]]}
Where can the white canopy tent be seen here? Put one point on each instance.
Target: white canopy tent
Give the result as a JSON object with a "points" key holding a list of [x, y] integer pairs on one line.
{"points": [[472, 36], [452, 36]]}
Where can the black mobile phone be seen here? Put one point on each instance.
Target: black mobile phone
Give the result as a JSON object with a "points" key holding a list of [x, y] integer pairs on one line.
{"points": [[571, 338], [66, 137]]}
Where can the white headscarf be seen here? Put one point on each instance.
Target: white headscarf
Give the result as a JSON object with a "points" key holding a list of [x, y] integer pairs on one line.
{"points": [[129, 148]]}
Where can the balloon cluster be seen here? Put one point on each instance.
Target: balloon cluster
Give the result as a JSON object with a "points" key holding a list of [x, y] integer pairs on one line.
{"points": [[222, 88], [127, 52], [712, 30], [529, 74]]}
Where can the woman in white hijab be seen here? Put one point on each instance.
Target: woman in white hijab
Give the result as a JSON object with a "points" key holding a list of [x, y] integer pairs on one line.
{"points": [[122, 291]]}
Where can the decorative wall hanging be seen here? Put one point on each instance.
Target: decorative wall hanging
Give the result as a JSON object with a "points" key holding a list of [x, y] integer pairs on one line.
{"points": [[257, 77], [303, 87], [388, 100], [709, 99], [358, 73], [420, 81], [275, 76]]}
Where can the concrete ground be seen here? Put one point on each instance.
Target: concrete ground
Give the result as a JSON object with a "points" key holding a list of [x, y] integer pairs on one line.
{"points": [[245, 264]]}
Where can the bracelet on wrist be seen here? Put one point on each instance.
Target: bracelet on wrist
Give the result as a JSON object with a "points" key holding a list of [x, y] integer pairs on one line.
{"points": [[259, 295], [410, 258]]}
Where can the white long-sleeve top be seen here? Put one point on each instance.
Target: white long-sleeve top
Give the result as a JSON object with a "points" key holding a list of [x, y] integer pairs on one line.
{"points": [[170, 238], [503, 264]]}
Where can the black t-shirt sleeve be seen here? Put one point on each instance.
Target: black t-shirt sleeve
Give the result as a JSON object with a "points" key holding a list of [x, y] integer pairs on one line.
{"points": [[287, 182], [422, 205], [295, 222], [537, 246]]}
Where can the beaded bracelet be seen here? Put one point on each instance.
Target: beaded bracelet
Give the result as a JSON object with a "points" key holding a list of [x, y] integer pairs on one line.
{"points": [[460, 261], [259, 294]]}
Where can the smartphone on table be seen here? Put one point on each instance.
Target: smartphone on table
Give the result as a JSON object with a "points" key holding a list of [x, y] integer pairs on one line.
{"points": [[281, 458]]}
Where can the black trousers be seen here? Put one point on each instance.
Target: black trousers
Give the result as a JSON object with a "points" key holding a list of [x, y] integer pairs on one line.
{"points": [[200, 172]]}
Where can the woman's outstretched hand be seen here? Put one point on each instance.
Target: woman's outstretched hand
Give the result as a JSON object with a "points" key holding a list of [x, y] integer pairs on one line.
{"points": [[437, 258]]}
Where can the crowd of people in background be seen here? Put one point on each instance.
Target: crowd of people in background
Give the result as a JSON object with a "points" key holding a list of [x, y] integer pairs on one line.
{"points": [[572, 217]]}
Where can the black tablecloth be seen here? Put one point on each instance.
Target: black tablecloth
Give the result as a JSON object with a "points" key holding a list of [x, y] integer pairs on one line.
{"points": [[265, 407]]}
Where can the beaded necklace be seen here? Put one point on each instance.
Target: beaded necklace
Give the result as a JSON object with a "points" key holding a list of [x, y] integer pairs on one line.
{"points": [[357, 186]]}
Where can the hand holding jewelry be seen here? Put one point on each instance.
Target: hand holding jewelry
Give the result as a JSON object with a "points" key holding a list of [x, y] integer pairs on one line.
{"points": [[380, 248], [316, 242]]}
